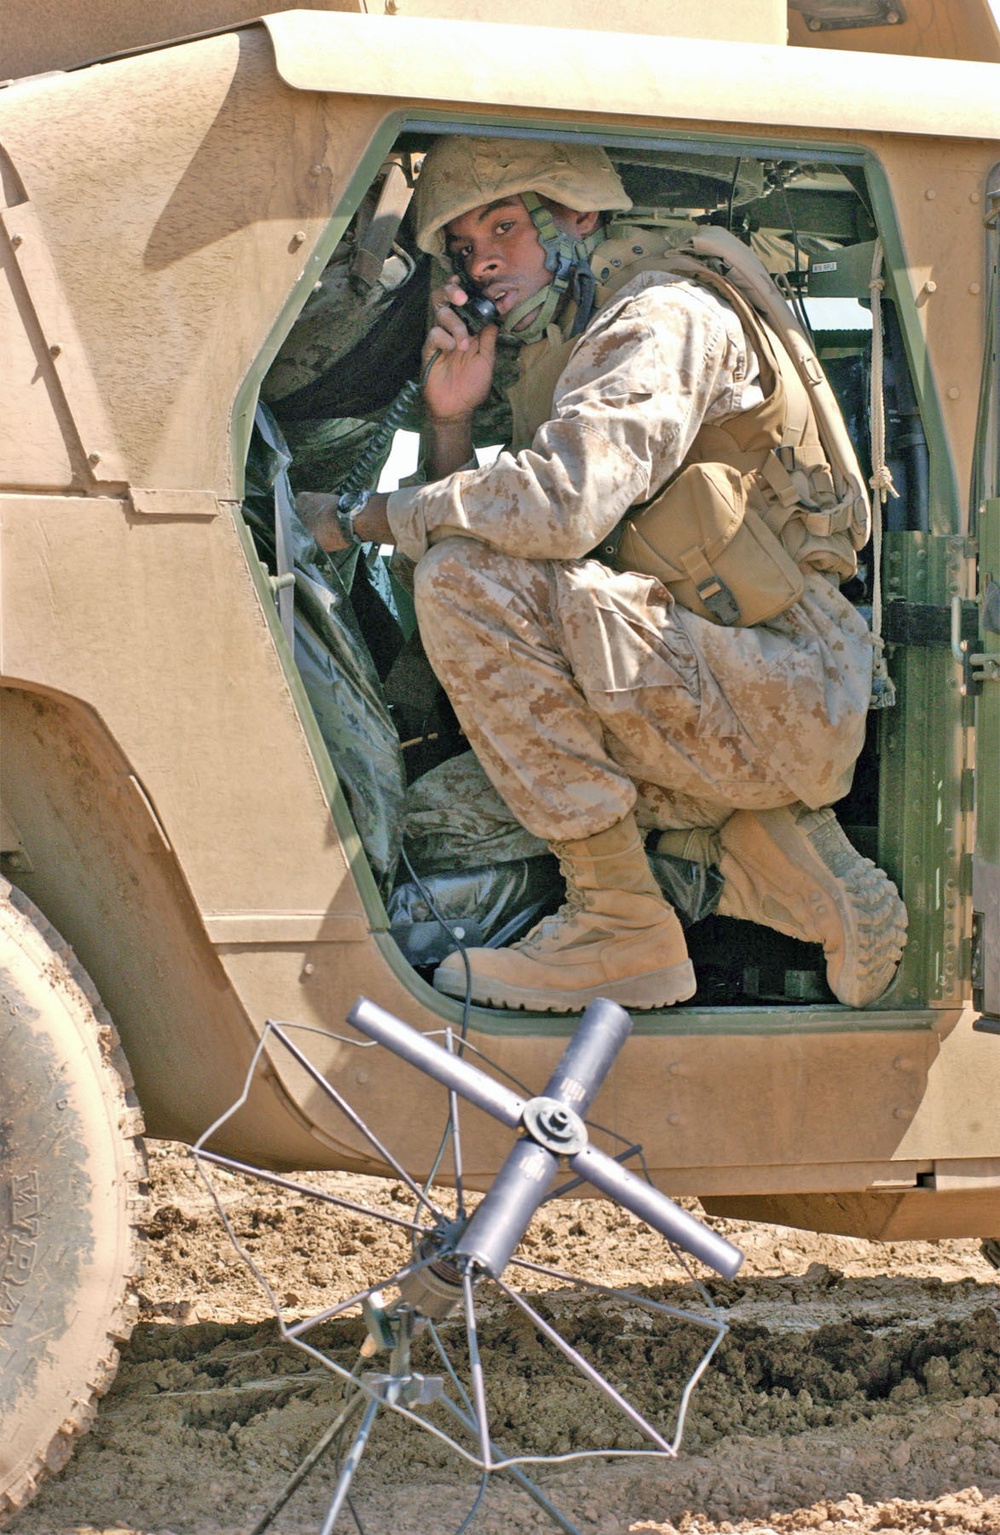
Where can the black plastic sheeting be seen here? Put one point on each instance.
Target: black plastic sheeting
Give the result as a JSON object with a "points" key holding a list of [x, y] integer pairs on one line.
{"points": [[693, 889], [336, 667], [493, 907], [483, 908]]}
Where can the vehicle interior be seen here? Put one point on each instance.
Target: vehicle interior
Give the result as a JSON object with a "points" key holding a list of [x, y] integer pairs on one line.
{"points": [[338, 409]]}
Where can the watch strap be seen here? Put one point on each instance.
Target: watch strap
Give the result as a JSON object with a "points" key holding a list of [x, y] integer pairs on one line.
{"points": [[349, 508]]}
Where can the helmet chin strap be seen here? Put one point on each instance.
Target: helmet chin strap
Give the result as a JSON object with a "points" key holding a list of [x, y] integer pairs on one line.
{"points": [[567, 257], [538, 311]]}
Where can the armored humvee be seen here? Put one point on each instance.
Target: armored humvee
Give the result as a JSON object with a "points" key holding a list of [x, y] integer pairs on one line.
{"points": [[211, 299]]}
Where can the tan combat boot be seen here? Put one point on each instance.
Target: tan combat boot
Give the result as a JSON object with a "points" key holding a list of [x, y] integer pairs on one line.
{"points": [[614, 937], [793, 869]]}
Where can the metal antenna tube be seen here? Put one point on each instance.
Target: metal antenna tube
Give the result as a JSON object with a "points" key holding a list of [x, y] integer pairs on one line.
{"points": [[453, 1256], [456, 1137], [428, 1056], [590, 1054], [351, 1462], [504, 1213], [657, 1210], [478, 1378]]}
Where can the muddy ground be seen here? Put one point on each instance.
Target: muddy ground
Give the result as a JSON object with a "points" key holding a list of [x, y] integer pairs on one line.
{"points": [[858, 1387]]}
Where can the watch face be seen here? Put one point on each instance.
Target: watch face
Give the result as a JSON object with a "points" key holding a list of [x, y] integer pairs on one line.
{"points": [[349, 505], [353, 501]]}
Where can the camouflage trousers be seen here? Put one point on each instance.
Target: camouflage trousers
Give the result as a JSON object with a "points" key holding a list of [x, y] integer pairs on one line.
{"points": [[586, 692]]}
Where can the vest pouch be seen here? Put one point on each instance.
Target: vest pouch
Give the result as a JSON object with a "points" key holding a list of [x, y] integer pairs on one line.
{"points": [[712, 551]]}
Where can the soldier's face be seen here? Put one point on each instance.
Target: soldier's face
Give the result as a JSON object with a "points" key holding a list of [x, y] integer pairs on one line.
{"points": [[498, 248]]}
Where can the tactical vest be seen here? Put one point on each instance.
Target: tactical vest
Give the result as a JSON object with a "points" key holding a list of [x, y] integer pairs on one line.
{"points": [[761, 494]]}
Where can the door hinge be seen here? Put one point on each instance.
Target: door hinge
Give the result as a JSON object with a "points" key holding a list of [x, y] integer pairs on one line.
{"points": [[986, 1023], [978, 667], [967, 790]]}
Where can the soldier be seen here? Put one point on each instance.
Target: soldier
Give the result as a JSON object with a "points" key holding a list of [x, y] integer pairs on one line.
{"points": [[587, 693]]}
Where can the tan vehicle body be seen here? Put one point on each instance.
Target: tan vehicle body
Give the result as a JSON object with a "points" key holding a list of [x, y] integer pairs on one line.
{"points": [[167, 800]]}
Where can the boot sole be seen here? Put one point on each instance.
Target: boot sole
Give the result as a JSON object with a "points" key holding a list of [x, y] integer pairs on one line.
{"points": [[656, 989], [771, 846]]}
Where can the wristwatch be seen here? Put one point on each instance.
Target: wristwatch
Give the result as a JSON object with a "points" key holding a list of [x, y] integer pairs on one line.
{"points": [[349, 508]]}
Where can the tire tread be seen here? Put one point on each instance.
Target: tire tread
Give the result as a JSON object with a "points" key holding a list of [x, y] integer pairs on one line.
{"points": [[67, 974]]}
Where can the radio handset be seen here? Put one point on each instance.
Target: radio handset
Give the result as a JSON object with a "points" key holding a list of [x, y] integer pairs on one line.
{"points": [[477, 312]]}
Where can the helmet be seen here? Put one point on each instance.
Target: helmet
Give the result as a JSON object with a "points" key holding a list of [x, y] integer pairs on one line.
{"points": [[462, 172]]}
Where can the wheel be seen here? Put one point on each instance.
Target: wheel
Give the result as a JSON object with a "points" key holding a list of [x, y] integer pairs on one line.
{"points": [[71, 1199]]}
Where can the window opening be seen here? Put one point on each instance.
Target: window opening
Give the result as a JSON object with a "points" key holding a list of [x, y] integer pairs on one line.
{"points": [[986, 462], [449, 846]]}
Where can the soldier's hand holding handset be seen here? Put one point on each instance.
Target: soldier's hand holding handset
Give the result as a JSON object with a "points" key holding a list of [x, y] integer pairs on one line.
{"points": [[458, 359]]}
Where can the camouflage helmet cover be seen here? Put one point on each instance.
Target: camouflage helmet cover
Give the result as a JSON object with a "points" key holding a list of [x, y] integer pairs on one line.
{"points": [[460, 173]]}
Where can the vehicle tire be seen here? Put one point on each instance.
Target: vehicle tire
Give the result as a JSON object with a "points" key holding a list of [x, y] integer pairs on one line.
{"points": [[71, 1200]]}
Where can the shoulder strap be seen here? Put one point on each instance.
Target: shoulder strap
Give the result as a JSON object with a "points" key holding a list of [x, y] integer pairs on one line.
{"points": [[800, 407], [747, 273], [669, 249], [763, 426]]}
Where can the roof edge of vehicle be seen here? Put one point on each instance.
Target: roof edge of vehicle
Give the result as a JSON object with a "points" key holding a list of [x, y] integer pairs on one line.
{"points": [[409, 58], [414, 59]]}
